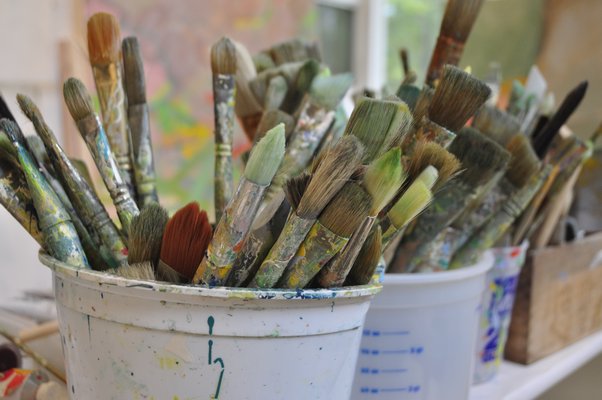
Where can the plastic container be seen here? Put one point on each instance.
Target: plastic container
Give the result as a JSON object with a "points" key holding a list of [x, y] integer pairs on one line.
{"points": [[420, 334], [126, 339], [497, 304]]}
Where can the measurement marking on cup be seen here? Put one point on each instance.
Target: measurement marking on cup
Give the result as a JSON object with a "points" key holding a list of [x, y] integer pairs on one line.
{"points": [[416, 350], [377, 371], [374, 390], [369, 332]]}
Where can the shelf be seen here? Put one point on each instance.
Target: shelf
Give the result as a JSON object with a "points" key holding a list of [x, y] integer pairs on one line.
{"points": [[526, 382]]}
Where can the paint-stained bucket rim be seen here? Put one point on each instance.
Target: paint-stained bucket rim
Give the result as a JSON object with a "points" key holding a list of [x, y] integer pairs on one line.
{"points": [[103, 278], [484, 264]]}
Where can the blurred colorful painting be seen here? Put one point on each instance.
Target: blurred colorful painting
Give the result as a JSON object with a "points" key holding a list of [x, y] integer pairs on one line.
{"points": [[176, 37]]}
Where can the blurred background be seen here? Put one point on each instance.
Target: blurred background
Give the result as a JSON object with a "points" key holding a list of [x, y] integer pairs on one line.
{"points": [[43, 42]]}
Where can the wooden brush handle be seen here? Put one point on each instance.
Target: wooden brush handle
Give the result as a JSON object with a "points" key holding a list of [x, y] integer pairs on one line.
{"points": [[38, 331]]}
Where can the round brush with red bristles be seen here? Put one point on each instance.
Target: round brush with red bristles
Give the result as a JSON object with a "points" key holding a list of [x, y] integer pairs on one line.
{"points": [[186, 237]]}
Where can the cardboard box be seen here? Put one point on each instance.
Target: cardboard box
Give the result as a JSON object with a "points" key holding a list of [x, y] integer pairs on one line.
{"points": [[558, 299]]}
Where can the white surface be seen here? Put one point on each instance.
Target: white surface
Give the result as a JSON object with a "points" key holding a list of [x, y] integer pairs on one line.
{"points": [[405, 351], [520, 382]]}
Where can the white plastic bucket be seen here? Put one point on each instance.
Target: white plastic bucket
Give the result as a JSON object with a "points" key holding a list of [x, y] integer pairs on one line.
{"points": [[126, 339], [497, 303], [420, 334]]}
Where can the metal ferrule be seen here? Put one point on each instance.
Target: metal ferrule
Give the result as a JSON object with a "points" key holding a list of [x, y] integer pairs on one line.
{"points": [[282, 251], [335, 272], [319, 246], [144, 167], [230, 234]]}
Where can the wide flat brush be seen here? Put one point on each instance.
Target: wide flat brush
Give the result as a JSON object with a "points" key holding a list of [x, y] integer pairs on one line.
{"points": [[139, 124], [223, 67], [104, 50], [497, 124], [60, 235], [458, 20], [235, 224], [80, 106], [185, 239], [333, 169], [329, 234], [382, 180], [87, 205]]}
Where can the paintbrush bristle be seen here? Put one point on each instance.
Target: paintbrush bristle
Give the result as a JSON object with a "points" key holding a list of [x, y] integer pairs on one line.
{"points": [[422, 105], [430, 153], [135, 85], [335, 167], [457, 97], [327, 91], [185, 239], [104, 39], [266, 156], [524, 162], [142, 271], [481, 157], [289, 51], [28, 107], [370, 122], [12, 131], [77, 99], [383, 178], [270, 119], [146, 234], [400, 125], [459, 17], [497, 124], [367, 259], [223, 57], [414, 200], [5, 110], [347, 210], [543, 140], [295, 188], [245, 104]]}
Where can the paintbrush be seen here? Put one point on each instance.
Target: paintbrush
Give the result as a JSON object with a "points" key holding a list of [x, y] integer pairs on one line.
{"points": [[409, 75], [263, 61], [413, 201], [233, 228], [80, 106], [302, 85], [378, 125], [247, 109], [481, 159], [145, 239], [104, 50], [431, 154], [458, 20], [289, 51], [275, 93], [328, 235], [86, 203], [333, 169], [382, 180], [223, 67], [421, 107], [261, 240], [495, 228], [59, 233], [313, 123], [497, 124], [139, 124], [260, 84], [367, 260], [270, 119], [185, 239], [541, 142]]}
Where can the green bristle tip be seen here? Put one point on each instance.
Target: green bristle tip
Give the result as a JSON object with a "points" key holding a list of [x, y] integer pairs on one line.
{"points": [[266, 157]]}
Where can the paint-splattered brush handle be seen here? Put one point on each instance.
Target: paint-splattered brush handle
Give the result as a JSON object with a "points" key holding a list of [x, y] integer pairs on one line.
{"points": [[320, 245], [428, 131], [336, 271], [282, 252], [97, 143], [223, 109], [111, 95], [142, 149], [60, 235], [447, 51], [486, 237], [15, 197], [256, 247], [230, 234]]}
